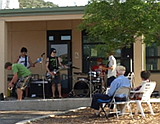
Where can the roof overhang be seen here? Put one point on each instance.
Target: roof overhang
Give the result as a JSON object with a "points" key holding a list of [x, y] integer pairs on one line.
{"points": [[40, 14]]}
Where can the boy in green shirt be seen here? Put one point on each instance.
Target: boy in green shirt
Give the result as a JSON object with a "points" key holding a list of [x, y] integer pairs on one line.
{"points": [[21, 77]]}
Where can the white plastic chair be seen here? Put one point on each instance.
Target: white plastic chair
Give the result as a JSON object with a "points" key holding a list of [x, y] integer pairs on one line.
{"points": [[121, 91], [131, 77], [146, 91]]}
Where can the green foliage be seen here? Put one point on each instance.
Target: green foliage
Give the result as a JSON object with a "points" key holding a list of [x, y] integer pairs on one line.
{"points": [[35, 4], [117, 24]]}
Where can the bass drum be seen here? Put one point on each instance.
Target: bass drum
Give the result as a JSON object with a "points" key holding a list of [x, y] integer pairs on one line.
{"points": [[81, 88]]}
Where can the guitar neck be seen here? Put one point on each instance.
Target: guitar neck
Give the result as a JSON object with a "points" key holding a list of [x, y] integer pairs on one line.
{"points": [[33, 64]]}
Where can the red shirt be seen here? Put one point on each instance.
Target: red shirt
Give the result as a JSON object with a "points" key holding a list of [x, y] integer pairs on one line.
{"points": [[98, 68]]}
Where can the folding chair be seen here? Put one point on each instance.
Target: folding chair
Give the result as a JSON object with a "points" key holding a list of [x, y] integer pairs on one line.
{"points": [[146, 91], [125, 91]]}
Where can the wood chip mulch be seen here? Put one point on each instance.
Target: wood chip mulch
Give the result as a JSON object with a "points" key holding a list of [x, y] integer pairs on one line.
{"points": [[84, 117]]}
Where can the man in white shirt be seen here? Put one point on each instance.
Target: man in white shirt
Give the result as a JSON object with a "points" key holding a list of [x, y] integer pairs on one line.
{"points": [[111, 75]]}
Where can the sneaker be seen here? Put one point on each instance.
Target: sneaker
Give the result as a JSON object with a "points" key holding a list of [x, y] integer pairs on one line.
{"points": [[112, 115]]}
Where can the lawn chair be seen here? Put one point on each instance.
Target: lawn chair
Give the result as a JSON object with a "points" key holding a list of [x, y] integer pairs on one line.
{"points": [[146, 91], [131, 77], [122, 90]]}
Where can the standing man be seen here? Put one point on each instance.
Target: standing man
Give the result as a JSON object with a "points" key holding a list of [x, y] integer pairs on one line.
{"points": [[52, 64], [21, 77], [111, 75], [25, 60]]}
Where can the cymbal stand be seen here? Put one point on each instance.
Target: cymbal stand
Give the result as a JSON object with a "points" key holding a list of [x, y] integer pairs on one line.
{"points": [[42, 68]]}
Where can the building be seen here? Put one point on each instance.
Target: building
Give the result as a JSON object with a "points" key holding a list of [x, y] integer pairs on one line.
{"points": [[45, 28]]}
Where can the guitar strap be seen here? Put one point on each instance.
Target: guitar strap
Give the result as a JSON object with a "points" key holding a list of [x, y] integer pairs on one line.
{"points": [[25, 63]]}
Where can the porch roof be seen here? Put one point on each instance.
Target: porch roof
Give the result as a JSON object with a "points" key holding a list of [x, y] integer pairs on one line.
{"points": [[42, 14], [42, 11]]}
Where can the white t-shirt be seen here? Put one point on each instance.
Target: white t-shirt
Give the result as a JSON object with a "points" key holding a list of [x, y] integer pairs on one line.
{"points": [[22, 61], [112, 63]]}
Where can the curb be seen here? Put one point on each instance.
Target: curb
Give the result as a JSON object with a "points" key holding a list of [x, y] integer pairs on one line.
{"points": [[47, 116]]}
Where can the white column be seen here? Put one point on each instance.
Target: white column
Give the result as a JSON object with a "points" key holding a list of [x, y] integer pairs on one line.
{"points": [[3, 53], [139, 59]]}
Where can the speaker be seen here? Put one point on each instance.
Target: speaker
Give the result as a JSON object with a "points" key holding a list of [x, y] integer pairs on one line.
{"points": [[36, 89]]}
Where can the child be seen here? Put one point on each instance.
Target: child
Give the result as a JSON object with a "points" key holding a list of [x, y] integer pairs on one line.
{"points": [[145, 77]]}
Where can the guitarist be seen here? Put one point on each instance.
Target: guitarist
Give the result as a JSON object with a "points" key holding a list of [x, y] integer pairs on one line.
{"points": [[25, 60], [52, 63], [21, 75]]}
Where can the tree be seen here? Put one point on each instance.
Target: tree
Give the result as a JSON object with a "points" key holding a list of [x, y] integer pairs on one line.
{"points": [[117, 23], [35, 4]]}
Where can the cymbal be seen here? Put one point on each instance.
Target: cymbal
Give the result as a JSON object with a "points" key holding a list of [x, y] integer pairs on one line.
{"points": [[79, 73]]}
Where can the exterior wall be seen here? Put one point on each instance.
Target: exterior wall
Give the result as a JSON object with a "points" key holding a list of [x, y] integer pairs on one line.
{"points": [[155, 77], [3, 53], [32, 35]]}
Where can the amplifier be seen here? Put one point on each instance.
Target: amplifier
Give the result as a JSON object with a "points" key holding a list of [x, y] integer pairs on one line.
{"points": [[36, 89]]}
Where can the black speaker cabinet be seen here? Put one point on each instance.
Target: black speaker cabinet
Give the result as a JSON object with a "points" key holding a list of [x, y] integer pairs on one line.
{"points": [[36, 89]]}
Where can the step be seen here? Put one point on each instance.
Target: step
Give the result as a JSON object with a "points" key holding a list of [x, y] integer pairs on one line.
{"points": [[45, 104]]}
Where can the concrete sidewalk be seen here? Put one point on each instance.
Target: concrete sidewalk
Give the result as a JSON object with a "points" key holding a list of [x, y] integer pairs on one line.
{"points": [[19, 117], [13, 111], [22, 115]]}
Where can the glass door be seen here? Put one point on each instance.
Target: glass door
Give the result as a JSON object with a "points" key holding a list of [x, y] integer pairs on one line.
{"points": [[61, 41]]}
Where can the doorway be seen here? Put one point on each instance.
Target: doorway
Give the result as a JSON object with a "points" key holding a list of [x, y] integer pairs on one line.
{"points": [[61, 41]]}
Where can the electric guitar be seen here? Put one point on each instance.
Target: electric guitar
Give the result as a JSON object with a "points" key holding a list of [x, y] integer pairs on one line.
{"points": [[24, 82], [38, 60], [55, 72]]}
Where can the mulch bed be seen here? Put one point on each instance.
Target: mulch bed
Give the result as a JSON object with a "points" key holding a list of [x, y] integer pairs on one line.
{"points": [[84, 117]]}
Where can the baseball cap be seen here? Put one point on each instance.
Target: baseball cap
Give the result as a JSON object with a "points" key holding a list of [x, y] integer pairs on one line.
{"points": [[99, 60], [53, 50]]}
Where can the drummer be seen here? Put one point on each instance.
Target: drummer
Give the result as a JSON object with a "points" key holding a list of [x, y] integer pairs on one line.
{"points": [[98, 69]]}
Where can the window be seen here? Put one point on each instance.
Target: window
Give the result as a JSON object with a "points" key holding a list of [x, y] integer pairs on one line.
{"points": [[65, 37], [90, 55], [153, 58], [51, 38]]}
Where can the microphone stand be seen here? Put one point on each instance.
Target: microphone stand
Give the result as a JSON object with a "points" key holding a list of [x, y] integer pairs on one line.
{"points": [[90, 76], [42, 68]]}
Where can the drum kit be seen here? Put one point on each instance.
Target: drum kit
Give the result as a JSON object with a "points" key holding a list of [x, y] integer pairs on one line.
{"points": [[87, 85]]}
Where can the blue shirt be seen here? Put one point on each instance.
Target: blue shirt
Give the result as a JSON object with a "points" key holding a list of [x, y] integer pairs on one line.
{"points": [[120, 81]]}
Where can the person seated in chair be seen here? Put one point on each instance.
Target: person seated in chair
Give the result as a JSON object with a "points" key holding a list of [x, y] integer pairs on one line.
{"points": [[120, 81], [145, 78]]}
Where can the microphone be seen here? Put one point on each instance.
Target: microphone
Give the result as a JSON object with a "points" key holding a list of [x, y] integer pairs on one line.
{"points": [[42, 54]]}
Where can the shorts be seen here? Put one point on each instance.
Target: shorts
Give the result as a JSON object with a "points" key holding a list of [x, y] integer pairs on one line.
{"points": [[56, 80], [23, 82]]}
